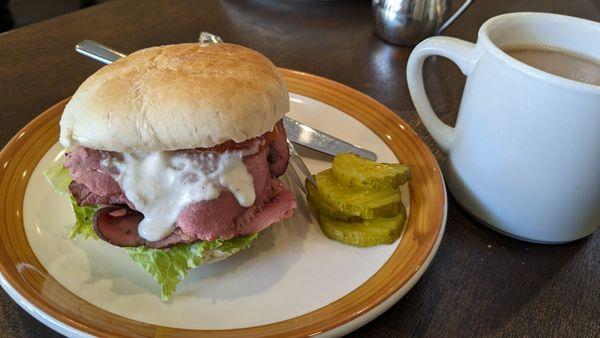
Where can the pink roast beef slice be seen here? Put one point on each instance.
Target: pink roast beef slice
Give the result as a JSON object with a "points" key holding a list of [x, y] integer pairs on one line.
{"points": [[118, 225], [216, 218], [84, 196], [280, 206], [84, 166], [279, 154], [118, 229]]}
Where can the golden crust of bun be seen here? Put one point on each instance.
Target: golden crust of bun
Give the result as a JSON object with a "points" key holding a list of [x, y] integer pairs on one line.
{"points": [[176, 97]]}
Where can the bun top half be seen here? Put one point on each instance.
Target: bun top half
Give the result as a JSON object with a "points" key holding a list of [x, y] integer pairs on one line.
{"points": [[174, 97]]}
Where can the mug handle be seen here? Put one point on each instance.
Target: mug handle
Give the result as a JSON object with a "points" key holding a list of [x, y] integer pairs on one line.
{"points": [[460, 52]]}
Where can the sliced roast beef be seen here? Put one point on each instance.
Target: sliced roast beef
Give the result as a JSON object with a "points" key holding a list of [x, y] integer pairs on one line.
{"points": [[118, 224], [214, 219], [223, 217], [84, 196], [279, 154], [85, 166], [280, 206], [205, 220]]}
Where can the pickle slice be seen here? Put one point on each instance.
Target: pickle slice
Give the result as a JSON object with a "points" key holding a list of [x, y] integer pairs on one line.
{"points": [[364, 233], [322, 206], [359, 202], [355, 171]]}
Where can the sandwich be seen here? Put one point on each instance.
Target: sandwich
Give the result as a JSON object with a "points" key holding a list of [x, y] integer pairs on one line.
{"points": [[174, 154]]}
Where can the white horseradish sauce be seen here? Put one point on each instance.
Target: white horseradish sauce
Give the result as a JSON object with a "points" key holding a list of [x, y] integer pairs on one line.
{"points": [[161, 184]]}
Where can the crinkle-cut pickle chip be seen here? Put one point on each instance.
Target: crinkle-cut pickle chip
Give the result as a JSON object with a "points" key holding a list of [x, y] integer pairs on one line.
{"points": [[355, 171], [364, 233], [323, 207], [359, 202]]}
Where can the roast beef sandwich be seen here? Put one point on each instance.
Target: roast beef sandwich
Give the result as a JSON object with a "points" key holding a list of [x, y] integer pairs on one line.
{"points": [[174, 153]]}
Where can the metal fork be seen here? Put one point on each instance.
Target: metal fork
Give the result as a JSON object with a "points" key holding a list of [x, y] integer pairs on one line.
{"points": [[297, 164]]}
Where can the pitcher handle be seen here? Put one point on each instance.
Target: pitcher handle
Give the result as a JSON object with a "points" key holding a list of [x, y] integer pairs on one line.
{"points": [[460, 52]]}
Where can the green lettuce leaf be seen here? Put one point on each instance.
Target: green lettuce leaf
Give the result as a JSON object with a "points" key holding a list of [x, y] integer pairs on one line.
{"points": [[83, 221], [168, 267], [59, 178]]}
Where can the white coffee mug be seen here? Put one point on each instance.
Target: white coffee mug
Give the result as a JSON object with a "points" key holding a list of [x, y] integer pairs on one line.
{"points": [[524, 156]]}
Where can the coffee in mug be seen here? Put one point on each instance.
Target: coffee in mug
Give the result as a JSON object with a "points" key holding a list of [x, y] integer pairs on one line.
{"points": [[524, 156], [557, 61]]}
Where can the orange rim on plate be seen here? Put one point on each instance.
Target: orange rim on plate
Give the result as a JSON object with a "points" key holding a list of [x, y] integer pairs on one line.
{"points": [[23, 273]]}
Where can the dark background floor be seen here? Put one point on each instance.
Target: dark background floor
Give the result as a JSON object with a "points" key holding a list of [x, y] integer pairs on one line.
{"points": [[18, 13]]}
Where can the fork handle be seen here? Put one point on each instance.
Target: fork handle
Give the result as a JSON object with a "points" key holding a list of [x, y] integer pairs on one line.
{"points": [[98, 51]]}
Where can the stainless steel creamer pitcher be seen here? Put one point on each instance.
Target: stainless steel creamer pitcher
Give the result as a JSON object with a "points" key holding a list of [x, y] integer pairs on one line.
{"points": [[407, 22]]}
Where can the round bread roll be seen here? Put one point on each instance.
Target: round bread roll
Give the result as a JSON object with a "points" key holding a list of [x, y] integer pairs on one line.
{"points": [[173, 97]]}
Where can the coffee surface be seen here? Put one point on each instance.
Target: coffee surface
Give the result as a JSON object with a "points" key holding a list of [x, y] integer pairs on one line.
{"points": [[557, 61]]}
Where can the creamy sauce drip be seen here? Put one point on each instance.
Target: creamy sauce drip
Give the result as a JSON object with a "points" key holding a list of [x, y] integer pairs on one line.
{"points": [[161, 184]]}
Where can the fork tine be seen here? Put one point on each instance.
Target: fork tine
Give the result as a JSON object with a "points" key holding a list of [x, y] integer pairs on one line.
{"points": [[293, 174], [304, 169], [300, 164]]}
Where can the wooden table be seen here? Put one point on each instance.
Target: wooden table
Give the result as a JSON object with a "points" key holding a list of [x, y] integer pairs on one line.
{"points": [[480, 282]]}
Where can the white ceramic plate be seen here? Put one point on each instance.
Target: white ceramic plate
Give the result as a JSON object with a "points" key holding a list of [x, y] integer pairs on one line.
{"points": [[291, 270]]}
